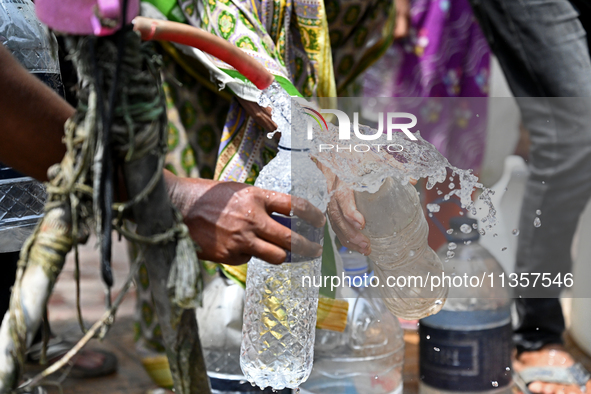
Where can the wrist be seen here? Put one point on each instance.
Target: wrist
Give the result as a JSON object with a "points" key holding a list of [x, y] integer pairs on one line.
{"points": [[184, 193]]}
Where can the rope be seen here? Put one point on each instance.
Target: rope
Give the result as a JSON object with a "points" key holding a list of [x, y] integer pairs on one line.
{"points": [[73, 205]]}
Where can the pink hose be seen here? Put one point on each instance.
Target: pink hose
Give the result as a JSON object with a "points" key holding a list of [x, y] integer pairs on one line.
{"points": [[151, 29]]}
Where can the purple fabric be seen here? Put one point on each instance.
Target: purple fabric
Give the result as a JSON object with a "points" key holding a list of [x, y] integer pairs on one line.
{"points": [[445, 55], [76, 16]]}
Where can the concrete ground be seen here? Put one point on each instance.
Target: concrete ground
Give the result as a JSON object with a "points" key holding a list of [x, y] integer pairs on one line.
{"points": [[131, 377]]}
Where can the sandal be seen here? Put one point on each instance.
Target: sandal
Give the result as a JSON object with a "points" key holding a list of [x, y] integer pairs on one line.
{"points": [[575, 374], [58, 347]]}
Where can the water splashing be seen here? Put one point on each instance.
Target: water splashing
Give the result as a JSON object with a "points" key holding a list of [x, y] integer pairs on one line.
{"points": [[367, 171]]}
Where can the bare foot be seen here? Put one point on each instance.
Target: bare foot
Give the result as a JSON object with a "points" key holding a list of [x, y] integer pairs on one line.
{"points": [[549, 355]]}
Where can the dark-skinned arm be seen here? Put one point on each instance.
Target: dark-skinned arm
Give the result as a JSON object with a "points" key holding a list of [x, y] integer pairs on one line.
{"points": [[32, 118], [230, 221]]}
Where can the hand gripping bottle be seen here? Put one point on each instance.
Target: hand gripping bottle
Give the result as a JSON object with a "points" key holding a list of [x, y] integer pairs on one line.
{"points": [[280, 312], [407, 268]]}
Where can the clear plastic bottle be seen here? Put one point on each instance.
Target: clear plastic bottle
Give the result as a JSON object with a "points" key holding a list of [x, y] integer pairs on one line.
{"points": [[398, 232], [220, 332], [466, 348], [21, 198], [280, 312], [367, 357]]}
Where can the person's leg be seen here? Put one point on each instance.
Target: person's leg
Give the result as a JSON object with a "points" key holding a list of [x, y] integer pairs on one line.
{"points": [[542, 49]]}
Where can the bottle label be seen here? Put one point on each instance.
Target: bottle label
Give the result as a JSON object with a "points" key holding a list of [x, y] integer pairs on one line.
{"points": [[8, 173], [53, 80], [305, 229], [241, 386], [471, 357]]}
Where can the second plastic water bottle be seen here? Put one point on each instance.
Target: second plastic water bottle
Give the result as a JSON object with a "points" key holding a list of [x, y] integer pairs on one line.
{"points": [[403, 261], [466, 348]]}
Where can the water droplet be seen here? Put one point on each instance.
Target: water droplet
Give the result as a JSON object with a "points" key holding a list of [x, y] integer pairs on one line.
{"points": [[450, 231], [439, 192], [503, 249], [465, 228], [428, 337], [475, 226], [495, 235], [537, 222], [538, 212], [507, 369], [543, 182], [267, 196], [433, 207], [450, 254], [495, 383], [436, 349], [375, 377], [438, 302], [452, 185], [467, 242], [515, 232], [452, 246], [411, 253], [482, 232]]}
